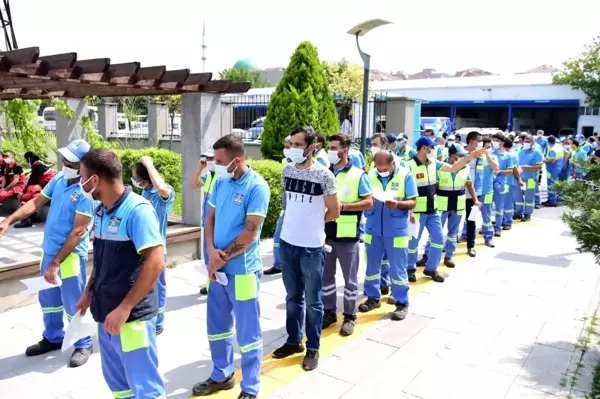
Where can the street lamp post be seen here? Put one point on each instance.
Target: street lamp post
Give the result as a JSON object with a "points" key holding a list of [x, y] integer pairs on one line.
{"points": [[360, 30]]}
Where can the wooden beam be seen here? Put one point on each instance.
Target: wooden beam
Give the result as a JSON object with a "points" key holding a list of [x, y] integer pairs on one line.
{"points": [[217, 86], [61, 66], [239, 87], [150, 76], [27, 55], [174, 79], [37, 68], [93, 70], [123, 73], [195, 81], [45, 93]]}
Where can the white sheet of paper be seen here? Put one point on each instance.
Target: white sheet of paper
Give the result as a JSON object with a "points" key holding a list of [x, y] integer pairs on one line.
{"points": [[383, 196], [80, 327], [327, 248], [201, 267], [413, 229], [475, 214], [37, 284]]}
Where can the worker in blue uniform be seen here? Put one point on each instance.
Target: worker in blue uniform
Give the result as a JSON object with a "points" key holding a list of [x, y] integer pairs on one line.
{"points": [[542, 144], [530, 164], [487, 193], [161, 196], [121, 293], [513, 181], [238, 206], [404, 151], [387, 232], [579, 158], [500, 187], [276, 268], [554, 162], [320, 151], [65, 251], [204, 178], [424, 167]]}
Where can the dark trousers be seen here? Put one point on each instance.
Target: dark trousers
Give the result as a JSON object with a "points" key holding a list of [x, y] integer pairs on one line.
{"points": [[471, 227]]}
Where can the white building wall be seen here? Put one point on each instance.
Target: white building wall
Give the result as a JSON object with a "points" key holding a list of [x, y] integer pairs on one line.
{"points": [[588, 120]]}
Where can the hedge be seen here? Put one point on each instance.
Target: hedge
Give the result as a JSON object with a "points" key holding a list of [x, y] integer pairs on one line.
{"points": [[168, 164]]}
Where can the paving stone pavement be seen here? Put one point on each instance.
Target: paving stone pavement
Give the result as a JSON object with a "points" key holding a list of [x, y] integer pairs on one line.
{"points": [[499, 327]]}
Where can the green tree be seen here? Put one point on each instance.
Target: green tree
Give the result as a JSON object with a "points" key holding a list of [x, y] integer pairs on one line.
{"points": [[583, 73], [174, 105], [302, 97], [345, 79], [244, 75]]}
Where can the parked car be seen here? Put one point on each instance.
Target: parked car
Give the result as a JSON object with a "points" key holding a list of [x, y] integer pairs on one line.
{"points": [[257, 127], [243, 134]]}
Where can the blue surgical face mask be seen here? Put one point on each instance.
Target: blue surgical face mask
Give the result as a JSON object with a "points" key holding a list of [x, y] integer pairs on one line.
{"points": [[495, 145], [526, 146], [297, 155], [222, 170]]}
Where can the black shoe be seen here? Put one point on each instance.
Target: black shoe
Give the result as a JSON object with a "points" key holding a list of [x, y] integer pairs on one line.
{"points": [[517, 217], [329, 319], [311, 360], [480, 232], [160, 331], [80, 357], [203, 291], [471, 252], [497, 233], [348, 326], [391, 300], [537, 207], [435, 276], [369, 304], [412, 277], [449, 263], [506, 227], [526, 218], [400, 312], [24, 223], [210, 386], [545, 204], [244, 395], [287, 350], [361, 240], [490, 244], [42, 347], [422, 262], [385, 290], [272, 271]]}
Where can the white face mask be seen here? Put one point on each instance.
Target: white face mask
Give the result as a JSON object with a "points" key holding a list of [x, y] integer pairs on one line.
{"points": [[286, 152], [431, 156], [480, 144], [70, 173], [222, 170], [87, 194], [297, 155], [210, 165], [375, 150], [527, 146], [383, 174], [333, 157], [495, 145], [138, 185]]}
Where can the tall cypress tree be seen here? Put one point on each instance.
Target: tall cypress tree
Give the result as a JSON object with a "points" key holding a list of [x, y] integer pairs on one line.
{"points": [[301, 98]]}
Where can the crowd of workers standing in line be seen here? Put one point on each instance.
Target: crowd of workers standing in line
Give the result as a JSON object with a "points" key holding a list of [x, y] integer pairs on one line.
{"points": [[332, 202]]}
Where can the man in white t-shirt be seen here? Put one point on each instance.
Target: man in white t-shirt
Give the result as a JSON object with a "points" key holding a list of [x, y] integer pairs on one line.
{"points": [[310, 201]]}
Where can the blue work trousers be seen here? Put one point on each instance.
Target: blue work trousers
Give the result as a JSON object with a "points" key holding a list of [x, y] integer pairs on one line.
{"points": [[276, 255], [396, 249], [537, 190], [161, 288], [500, 194], [302, 270], [130, 361], [55, 301], [385, 271], [237, 300], [453, 218], [509, 205], [552, 176], [486, 216], [526, 198], [433, 223]]}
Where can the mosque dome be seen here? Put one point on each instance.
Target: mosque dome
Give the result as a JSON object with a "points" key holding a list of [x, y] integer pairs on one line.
{"points": [[244, 64]]}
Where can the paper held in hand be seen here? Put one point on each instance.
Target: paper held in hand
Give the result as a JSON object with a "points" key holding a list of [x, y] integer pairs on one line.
{"points": [[200, 266], [80, 327], [475, 214], [383, 196], [413, 228], [37, 284]]}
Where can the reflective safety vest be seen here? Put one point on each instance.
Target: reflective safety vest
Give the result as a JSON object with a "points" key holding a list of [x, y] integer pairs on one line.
{"points": [[426, 179], [346, 227], [382, 221], [209, 183], [559, 154], [322, 155], [451, 190]]}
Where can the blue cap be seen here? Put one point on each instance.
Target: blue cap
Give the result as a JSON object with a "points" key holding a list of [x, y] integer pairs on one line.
{"points": [[425, 141], [391, 138], [75, 150], [457, 149]]}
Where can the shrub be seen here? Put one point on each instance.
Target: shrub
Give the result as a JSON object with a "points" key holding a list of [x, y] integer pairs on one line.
{"points": [[301, 98], [271, 172], [168, 164]]}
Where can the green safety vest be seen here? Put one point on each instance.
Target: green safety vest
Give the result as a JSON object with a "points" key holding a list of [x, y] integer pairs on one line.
{"points": [[395, 185], [209, 182], [426, 179], [451, 190], [345, 228], [322, 154], [558, 151]]}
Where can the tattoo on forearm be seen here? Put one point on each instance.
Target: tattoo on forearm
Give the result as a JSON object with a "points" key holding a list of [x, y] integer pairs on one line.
{"points": [[234, 248], [251, 227]]}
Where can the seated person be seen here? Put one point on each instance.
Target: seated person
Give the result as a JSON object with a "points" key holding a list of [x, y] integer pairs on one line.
{"points": [[38, 178], [13, 178]]}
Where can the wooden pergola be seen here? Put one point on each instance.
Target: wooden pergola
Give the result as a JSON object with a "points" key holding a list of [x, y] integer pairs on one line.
{"points": [[27, 75]]}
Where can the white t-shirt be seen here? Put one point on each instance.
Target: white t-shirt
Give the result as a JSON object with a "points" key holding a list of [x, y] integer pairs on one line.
{"points": [[305, 191]]}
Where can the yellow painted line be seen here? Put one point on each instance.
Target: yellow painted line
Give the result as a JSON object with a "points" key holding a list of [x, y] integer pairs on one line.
{"points": [[276, 373]]}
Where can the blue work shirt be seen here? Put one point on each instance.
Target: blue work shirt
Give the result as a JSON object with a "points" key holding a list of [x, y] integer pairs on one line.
{"points": [[67, 200], [504, 163], [554, 168], [162, 207], [530, 158], [588, 148], [514, 162], [121, 233], [411, 153], [487, 184], [357, 158], [579, 159], [364, 186], [233, 201], [543, 143]]}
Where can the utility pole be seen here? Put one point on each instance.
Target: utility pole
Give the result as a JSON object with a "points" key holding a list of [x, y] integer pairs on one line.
{"points": [[7, 26], [204, 46]]}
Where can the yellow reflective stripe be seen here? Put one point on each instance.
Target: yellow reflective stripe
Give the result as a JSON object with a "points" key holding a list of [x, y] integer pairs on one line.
{"points": [[368, 238], [281, 214], [412, 251], [401, 242], [530, 184], [69, 317], [440, 246], [385, 262], [400, 282], [46, 195], [71, 267], [245, 287], [276, 245], [134, 336], [207, 284], [373, 277], [488, 198], [83, 214], [451, 239], [220, 337], [56, 309], [128, 393], [487, 224], [251, 347], [346, 226], [162, 310]]}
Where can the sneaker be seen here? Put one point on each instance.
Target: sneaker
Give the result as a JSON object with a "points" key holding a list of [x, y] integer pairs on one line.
{"points": [[471, 252], [272, 271], [506, 227], [244, 395], [210, 386], [400, 312], [385, 290], [391, 300], [311, 360], [412, 277], [27, 222], [526, 218], [42, 347], [497, 233], [160, 330], [347, 327], [449, 263], [79, 357], [422, 262], [490, 243], [369, 304], [462, 239], [329, 319], [203, 291], [435, 276], [287, 350]]}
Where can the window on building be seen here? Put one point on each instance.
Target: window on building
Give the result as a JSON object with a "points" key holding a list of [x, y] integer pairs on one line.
{"points": [[581, 110], [595, 111]]}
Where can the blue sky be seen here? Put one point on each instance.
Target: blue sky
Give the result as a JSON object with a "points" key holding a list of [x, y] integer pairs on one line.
{"points": [[501, 36]]}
